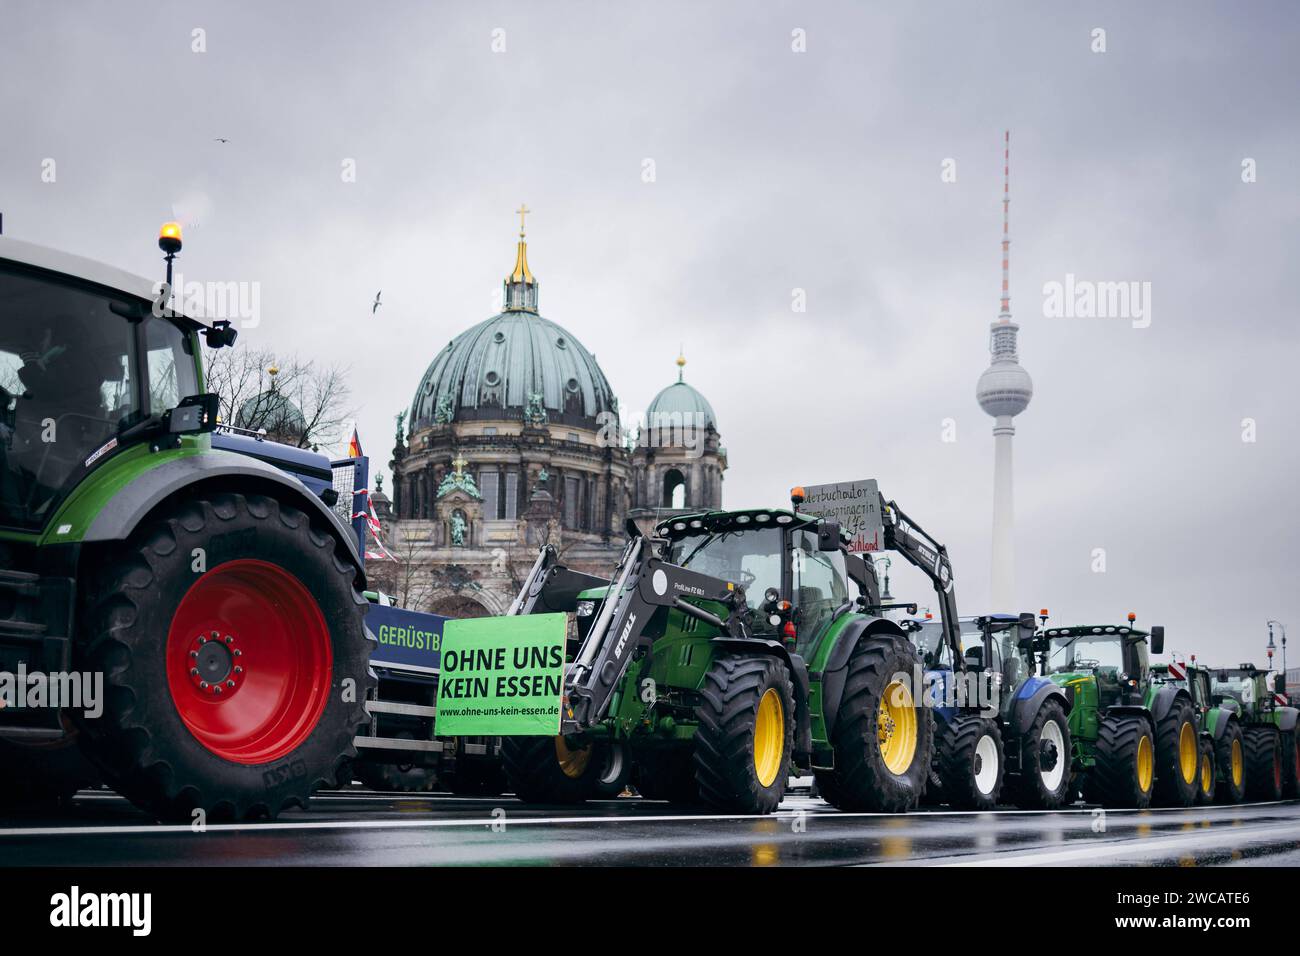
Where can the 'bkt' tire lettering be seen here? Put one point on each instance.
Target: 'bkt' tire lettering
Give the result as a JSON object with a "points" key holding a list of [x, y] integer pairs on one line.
{"points": [[276, 776]]}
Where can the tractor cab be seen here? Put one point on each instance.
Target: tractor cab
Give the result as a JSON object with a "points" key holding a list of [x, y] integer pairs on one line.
{"points": [[1116, 657], [794, 569], [87, 372], [1242, 688]]}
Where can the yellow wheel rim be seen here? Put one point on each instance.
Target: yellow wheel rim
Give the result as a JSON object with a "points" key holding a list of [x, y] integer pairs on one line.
{"points": [[896, 727], [1187, 752], [1238, 765], [573, 761], [1145, 763], [1207, 777], [769, 737]]}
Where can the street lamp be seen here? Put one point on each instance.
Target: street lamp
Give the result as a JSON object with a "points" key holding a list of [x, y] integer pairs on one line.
{"points": [[1271, 645], [884, 558]]}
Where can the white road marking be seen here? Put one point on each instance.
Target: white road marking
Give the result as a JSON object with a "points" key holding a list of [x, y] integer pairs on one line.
{"points": [[1128, 847], [522, 821]]}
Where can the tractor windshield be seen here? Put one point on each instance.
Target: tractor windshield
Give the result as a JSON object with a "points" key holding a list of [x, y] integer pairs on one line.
{"points": [[1240, 686], [750, 557], [1098, 652], [68, 374]]}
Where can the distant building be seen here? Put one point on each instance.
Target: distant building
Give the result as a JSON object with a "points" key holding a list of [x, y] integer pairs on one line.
{"points": [[514, 439]]}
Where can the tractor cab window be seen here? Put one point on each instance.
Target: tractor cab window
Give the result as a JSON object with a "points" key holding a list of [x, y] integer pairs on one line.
{"points": [[68, 387], [751, 557], [820, 588], [1237, 686]]}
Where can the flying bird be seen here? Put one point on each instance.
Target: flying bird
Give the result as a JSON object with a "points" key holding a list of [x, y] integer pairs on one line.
{"points": [[375, 307], [220, 140]]}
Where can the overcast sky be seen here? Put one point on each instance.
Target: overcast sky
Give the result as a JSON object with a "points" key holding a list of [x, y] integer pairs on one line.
{"points": [[775, 170]]}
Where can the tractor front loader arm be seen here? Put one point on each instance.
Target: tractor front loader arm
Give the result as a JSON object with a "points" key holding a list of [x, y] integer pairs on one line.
{"points": [[909, 539], [642, 585], [551, 587]]}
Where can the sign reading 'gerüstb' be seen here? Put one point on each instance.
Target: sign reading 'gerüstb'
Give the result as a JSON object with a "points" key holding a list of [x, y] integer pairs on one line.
{"points": [[501, 676], [855, 505]]}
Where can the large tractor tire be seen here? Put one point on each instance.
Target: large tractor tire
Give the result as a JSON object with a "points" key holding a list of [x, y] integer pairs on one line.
{"points": [[550, 769], [1206, 773], [1177, 755], [234, 685], [1291, 763], [883, 735], [42, 776], [1043, 782], [745, 738], [971, 761], [1124, 775], [1263, 746], [668, 775], [1230, 759]]}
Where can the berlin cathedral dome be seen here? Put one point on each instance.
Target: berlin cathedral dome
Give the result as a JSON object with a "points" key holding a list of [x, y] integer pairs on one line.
{"points": [[513, 440]]}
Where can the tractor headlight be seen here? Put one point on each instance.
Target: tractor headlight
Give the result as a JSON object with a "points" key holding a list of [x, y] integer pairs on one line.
{"points": [[586, 608]]}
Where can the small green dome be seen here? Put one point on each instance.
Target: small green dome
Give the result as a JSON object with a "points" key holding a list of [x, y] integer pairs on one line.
{"points": [[272, 411], [680, 401]]}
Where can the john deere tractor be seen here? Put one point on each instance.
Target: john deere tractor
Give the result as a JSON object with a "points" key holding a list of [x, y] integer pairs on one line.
{"points": [[216, 598], [1222, 773], [728, 650], [1134, 738], [1268, 729]]}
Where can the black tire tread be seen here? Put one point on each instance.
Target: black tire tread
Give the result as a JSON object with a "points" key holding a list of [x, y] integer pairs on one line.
{"points": [[859, 780], [120, 742], [724, 739], [1170, 788], [1113, 781], [1026, 787], [955, 742]]}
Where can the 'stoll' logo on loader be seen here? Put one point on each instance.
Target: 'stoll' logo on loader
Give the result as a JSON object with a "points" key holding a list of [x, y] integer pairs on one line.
{"points": [[622, 638]]}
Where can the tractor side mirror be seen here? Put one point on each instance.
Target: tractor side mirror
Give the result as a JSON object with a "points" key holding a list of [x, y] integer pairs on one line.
{"points": [[220, 334], [1157, 639], [1279, 684], [195, 414], [828, 536]]}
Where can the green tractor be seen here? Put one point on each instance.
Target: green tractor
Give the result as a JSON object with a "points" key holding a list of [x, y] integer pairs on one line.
{"points": [[730, 649], [1223, 754], [1134, 739], [211, 595], [1268, 729]]}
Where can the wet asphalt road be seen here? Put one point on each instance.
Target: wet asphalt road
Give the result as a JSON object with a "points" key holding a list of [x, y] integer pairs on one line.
{"points": [[356, 828]]}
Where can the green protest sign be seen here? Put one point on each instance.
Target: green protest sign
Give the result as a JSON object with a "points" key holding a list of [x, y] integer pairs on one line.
{"points": [[501, 676]]}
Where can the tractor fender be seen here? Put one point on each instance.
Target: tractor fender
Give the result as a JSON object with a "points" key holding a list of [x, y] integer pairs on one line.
{"points": [[1033, 693], [836, 671], [1286, 718], [798, 677], [1164, 700], [1132, 710], [134, 503], [1225, 717]]}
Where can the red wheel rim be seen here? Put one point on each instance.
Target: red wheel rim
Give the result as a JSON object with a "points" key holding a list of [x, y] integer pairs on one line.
{"points": [[249, 661]]}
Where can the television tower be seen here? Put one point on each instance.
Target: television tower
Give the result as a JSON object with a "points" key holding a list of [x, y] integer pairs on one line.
{"points": [[1004, 391]]}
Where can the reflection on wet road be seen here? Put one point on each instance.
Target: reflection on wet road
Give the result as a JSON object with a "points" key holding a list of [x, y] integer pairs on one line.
{"points": [[357, 828]]}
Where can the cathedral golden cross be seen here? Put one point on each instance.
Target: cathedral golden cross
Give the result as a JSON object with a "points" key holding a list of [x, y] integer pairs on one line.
{"points": [[523, 210], [459, 463]]}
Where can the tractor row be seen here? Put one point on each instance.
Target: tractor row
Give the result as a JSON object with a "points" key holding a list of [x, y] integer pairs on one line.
{"points": [[217, 587], [764, 638]]}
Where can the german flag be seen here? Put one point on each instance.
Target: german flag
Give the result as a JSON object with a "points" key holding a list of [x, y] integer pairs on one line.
{"points": [[354, 446]]}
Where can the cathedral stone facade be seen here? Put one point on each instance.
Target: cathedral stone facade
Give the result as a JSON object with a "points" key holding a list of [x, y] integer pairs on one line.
{"points": [[514, 440]]}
